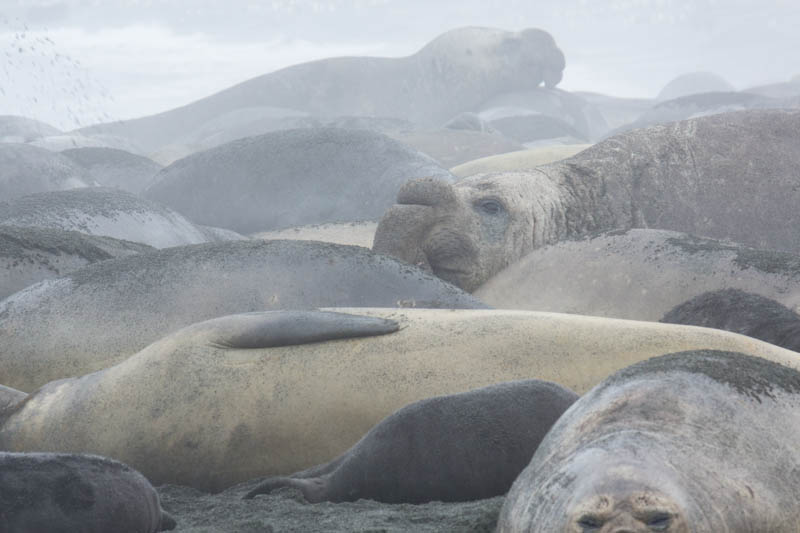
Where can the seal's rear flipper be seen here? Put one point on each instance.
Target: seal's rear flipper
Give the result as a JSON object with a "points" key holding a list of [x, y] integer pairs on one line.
{"points": [[167, 522], [271, 329]]}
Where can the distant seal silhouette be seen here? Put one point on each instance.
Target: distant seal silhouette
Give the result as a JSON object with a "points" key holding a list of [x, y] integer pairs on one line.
{"points": [[462, 447], [455, 72], [741, 312], [270, 393], [729, 176], [48, 492], [702, 441], [26, 169], [111, 167]]}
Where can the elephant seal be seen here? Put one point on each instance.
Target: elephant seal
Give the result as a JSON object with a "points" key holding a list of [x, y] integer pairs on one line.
{"points": [[638, 274], [50, 493], [519, 160], [451, 147], [694, 83], [26, 169], [29, 255], [111, 213], [111, 167], [291, 178], [729, 176], [265, 394], [352, 233], [741, 312], [453, 73], [18, 129], [102, 313], [462, 447], [702, 441]]}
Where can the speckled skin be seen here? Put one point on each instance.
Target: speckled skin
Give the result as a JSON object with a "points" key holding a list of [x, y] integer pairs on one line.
{"points": [[291, 178], [462, 447], [29, 255], [102, 313], [66, 493], [741, 312], [700, 176], [111, 167], [219, 402], [26, 169], [638, 274], [700, 441]]}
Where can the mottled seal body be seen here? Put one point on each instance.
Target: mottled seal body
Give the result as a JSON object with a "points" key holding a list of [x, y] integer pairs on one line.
{"points": [[729, 176], [26, 169], [462, 447], [112, 213], [53, 493], [291, 178], [268, 394], [29, 255], [741, 312], [111, 167], [638, 274], [701, 441], [100, 314]]}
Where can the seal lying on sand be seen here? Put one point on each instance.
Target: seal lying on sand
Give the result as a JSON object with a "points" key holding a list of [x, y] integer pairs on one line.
{"points": [[729, 176], [638, 274], [110, 213], [700, 441], [100, 314], [741, 312], [29, 255], [463, 447], [50, 493], [267, 394], [26, 169]]}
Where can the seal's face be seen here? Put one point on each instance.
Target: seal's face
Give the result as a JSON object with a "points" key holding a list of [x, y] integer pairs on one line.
{"points": [[460, 233], [625, 499]]}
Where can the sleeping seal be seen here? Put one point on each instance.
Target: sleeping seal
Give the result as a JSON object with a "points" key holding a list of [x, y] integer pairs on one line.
{"points": [[699, 441], [462, 447]]}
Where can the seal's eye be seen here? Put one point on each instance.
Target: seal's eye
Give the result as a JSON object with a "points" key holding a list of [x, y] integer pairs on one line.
{"points": [[490, 206], [658, 521], [590, 523]]}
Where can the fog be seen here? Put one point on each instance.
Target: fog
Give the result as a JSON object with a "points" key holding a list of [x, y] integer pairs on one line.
{"points": [[77, 62]]}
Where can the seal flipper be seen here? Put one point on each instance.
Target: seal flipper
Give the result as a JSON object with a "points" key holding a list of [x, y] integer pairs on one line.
{"points": [[270, 329], [167, 522], [313, 489]]}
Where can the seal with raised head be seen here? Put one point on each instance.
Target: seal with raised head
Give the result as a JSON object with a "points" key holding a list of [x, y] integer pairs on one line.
{"points": [[54, 493], [462, 447], [271, 393], [700, 441], [730, 176]]}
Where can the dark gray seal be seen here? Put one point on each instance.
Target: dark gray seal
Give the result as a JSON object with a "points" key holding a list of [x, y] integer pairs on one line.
{"points": [[111, 167], [292, 178], [729, 176], [29, 255], [453, 73], [700, 441], [741, 312], [26, 169], [112, 213], [60, 493], [461, 447], [102, 313]]}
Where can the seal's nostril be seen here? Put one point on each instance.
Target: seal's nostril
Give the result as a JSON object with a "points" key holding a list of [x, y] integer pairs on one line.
{"points": [[426, 191]]}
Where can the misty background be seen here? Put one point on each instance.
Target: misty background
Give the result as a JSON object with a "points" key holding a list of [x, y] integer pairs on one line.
{"points": [[71, 63]]}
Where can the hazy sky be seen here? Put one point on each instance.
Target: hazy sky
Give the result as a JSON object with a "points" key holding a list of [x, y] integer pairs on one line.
{"points": [[74, 62]]}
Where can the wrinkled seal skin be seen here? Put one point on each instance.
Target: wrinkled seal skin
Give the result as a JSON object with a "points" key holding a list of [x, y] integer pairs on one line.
{"points": [[462, 447], [700, 441], [65, 493], [728, 176], [741, 312]]}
